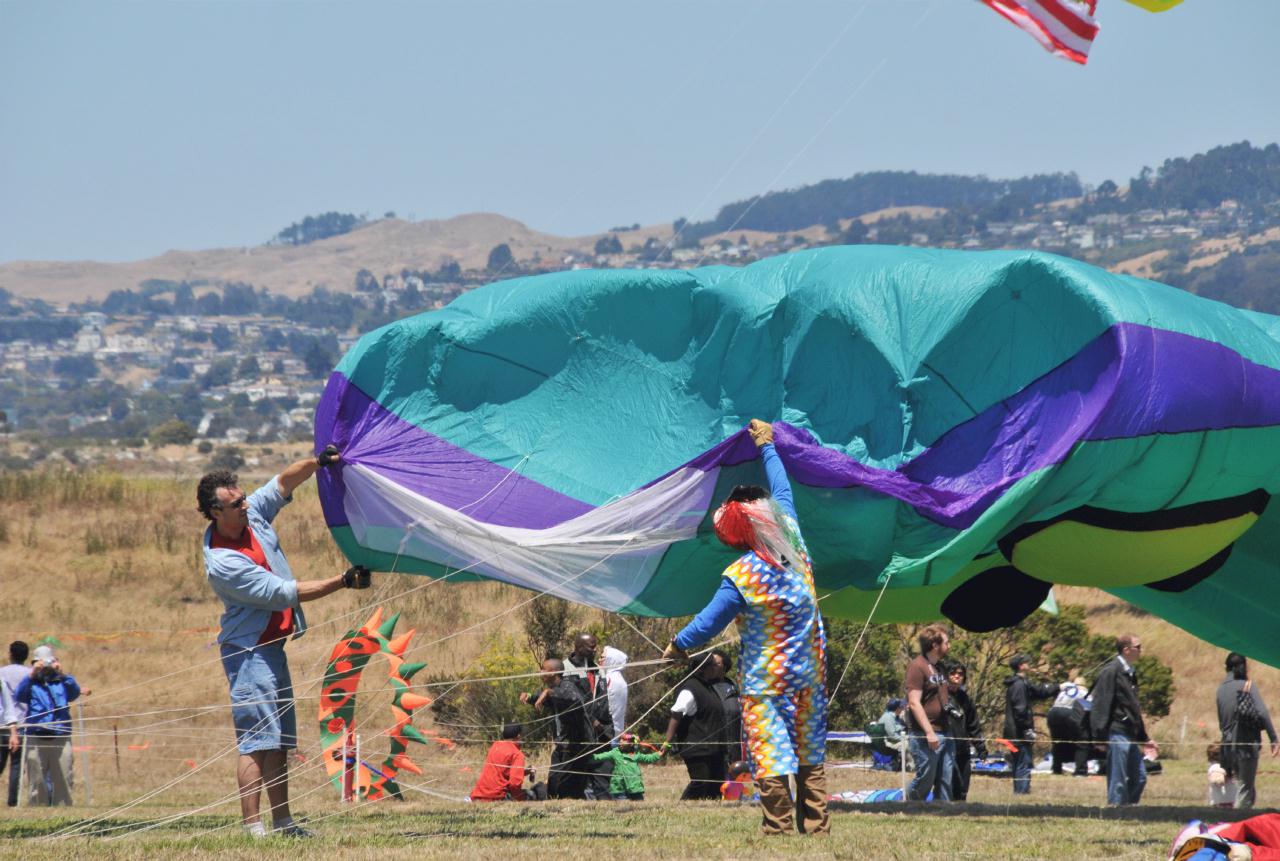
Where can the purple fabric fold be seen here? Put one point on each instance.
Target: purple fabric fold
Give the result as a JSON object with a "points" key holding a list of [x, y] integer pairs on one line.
{"points": [[368, 434], [1130, 381]]}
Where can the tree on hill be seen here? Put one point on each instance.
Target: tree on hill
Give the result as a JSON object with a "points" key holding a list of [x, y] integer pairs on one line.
{"points": [[1239, 172], [222, 337], [500, 258], [172, 432], [220, 373], [76, 368], [318, 359], [316, 227], [855, 233], [785, 211], [227, 457], [608, 245]]}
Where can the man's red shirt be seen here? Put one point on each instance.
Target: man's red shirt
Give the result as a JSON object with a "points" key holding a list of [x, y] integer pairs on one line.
{"points": [[280, 625]]}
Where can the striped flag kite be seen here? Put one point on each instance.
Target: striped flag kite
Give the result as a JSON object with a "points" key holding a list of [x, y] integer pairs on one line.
{"points": [[1064, 27]]}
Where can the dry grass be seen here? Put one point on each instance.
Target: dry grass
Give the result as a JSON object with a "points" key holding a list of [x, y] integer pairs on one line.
{"points": [[110, 566]]}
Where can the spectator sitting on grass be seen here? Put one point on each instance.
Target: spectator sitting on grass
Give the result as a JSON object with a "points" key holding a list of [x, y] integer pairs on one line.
{"points": [[503, 775]]}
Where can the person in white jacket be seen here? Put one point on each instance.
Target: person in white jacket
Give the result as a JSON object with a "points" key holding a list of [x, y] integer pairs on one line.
{"points": [[612, 664]]}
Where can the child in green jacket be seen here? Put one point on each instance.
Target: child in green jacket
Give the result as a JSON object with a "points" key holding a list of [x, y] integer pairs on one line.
{"points": [[626, 782]]}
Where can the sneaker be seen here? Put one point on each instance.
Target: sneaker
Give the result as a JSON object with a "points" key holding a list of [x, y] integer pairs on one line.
{"points": [[293, 829]]}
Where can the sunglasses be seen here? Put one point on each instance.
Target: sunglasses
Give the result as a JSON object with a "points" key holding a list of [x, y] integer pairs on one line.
{"points": [[239, 502]]}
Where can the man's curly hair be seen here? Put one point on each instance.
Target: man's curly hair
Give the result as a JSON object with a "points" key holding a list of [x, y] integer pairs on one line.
{"points": [[207, 490]]}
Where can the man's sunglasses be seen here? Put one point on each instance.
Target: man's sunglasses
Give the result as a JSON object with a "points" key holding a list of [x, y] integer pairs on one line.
{"points": [[239, 502]]}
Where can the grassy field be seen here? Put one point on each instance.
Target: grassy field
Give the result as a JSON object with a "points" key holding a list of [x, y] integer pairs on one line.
{"points": [[1062, 820], [108, 563]]}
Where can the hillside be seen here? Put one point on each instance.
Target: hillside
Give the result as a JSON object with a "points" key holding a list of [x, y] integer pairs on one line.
{"points": [[389, 245]]}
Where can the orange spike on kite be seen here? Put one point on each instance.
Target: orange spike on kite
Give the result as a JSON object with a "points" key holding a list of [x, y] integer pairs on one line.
{"points": [[398, 645]]}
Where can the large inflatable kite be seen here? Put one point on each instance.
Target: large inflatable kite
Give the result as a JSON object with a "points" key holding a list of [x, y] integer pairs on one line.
{"points": [[965, 427]]}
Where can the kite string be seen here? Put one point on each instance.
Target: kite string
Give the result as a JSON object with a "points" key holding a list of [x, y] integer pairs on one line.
{"points": [[767, 124], [861, 635], [825, 125], [440, 640]]}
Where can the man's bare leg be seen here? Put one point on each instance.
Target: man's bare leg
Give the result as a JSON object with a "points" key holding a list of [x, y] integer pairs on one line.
{"points": [[275, 773], [249, 771]]}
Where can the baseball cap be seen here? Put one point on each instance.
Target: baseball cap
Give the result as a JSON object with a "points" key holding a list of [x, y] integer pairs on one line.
{"points": [[44, 655]]}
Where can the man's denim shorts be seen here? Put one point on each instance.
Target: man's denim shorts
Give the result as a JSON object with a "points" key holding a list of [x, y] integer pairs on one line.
{"points": [[261, 697]]}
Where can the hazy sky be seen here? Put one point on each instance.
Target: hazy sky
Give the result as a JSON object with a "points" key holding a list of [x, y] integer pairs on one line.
{"points": [[127, 129]]}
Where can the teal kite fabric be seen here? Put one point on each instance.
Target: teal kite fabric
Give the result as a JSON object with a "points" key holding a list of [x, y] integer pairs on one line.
{"points": [[963, 429]]}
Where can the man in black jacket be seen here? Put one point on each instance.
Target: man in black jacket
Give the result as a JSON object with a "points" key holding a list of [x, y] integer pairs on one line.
{"points": [[582, 669], [1116, 720], [1019, 723], [697, 727], [570, 762]]}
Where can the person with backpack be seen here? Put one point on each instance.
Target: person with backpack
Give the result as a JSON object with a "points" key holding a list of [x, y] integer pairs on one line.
{"points": [[1242, 716]]}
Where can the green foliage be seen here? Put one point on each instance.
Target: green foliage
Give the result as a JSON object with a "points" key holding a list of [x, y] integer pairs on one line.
{"points": [[221, 337], [227, 457], [172, 432], [1156, 687], [220, 373], [874, 674], [249, 368], [76, 367], [1237, 172], [319, 359], [1250, 279], [500, 258], [549, 624], [38, 330], [867, 192], [316, 227], [855, 233], [475, 710], [608, 245]]}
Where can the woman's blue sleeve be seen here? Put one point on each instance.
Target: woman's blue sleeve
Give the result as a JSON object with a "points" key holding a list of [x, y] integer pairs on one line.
{"points": [[714, 618], [779, 484]]}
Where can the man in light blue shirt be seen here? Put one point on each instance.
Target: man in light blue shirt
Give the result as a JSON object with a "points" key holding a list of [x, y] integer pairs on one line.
{"points": [[262, 603]]}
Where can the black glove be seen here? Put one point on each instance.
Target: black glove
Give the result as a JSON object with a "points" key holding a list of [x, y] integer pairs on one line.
{"points": [[356, 577], [329, 456]]}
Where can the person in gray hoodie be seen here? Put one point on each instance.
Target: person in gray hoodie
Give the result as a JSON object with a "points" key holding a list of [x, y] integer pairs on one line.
{"points": [[1241, 745]]}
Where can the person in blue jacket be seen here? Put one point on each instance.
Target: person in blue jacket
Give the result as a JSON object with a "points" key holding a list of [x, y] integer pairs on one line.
{"points": [[46, 694]]}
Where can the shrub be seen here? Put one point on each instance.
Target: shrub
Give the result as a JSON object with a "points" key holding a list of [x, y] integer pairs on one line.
{"points": [[474, 710]]}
